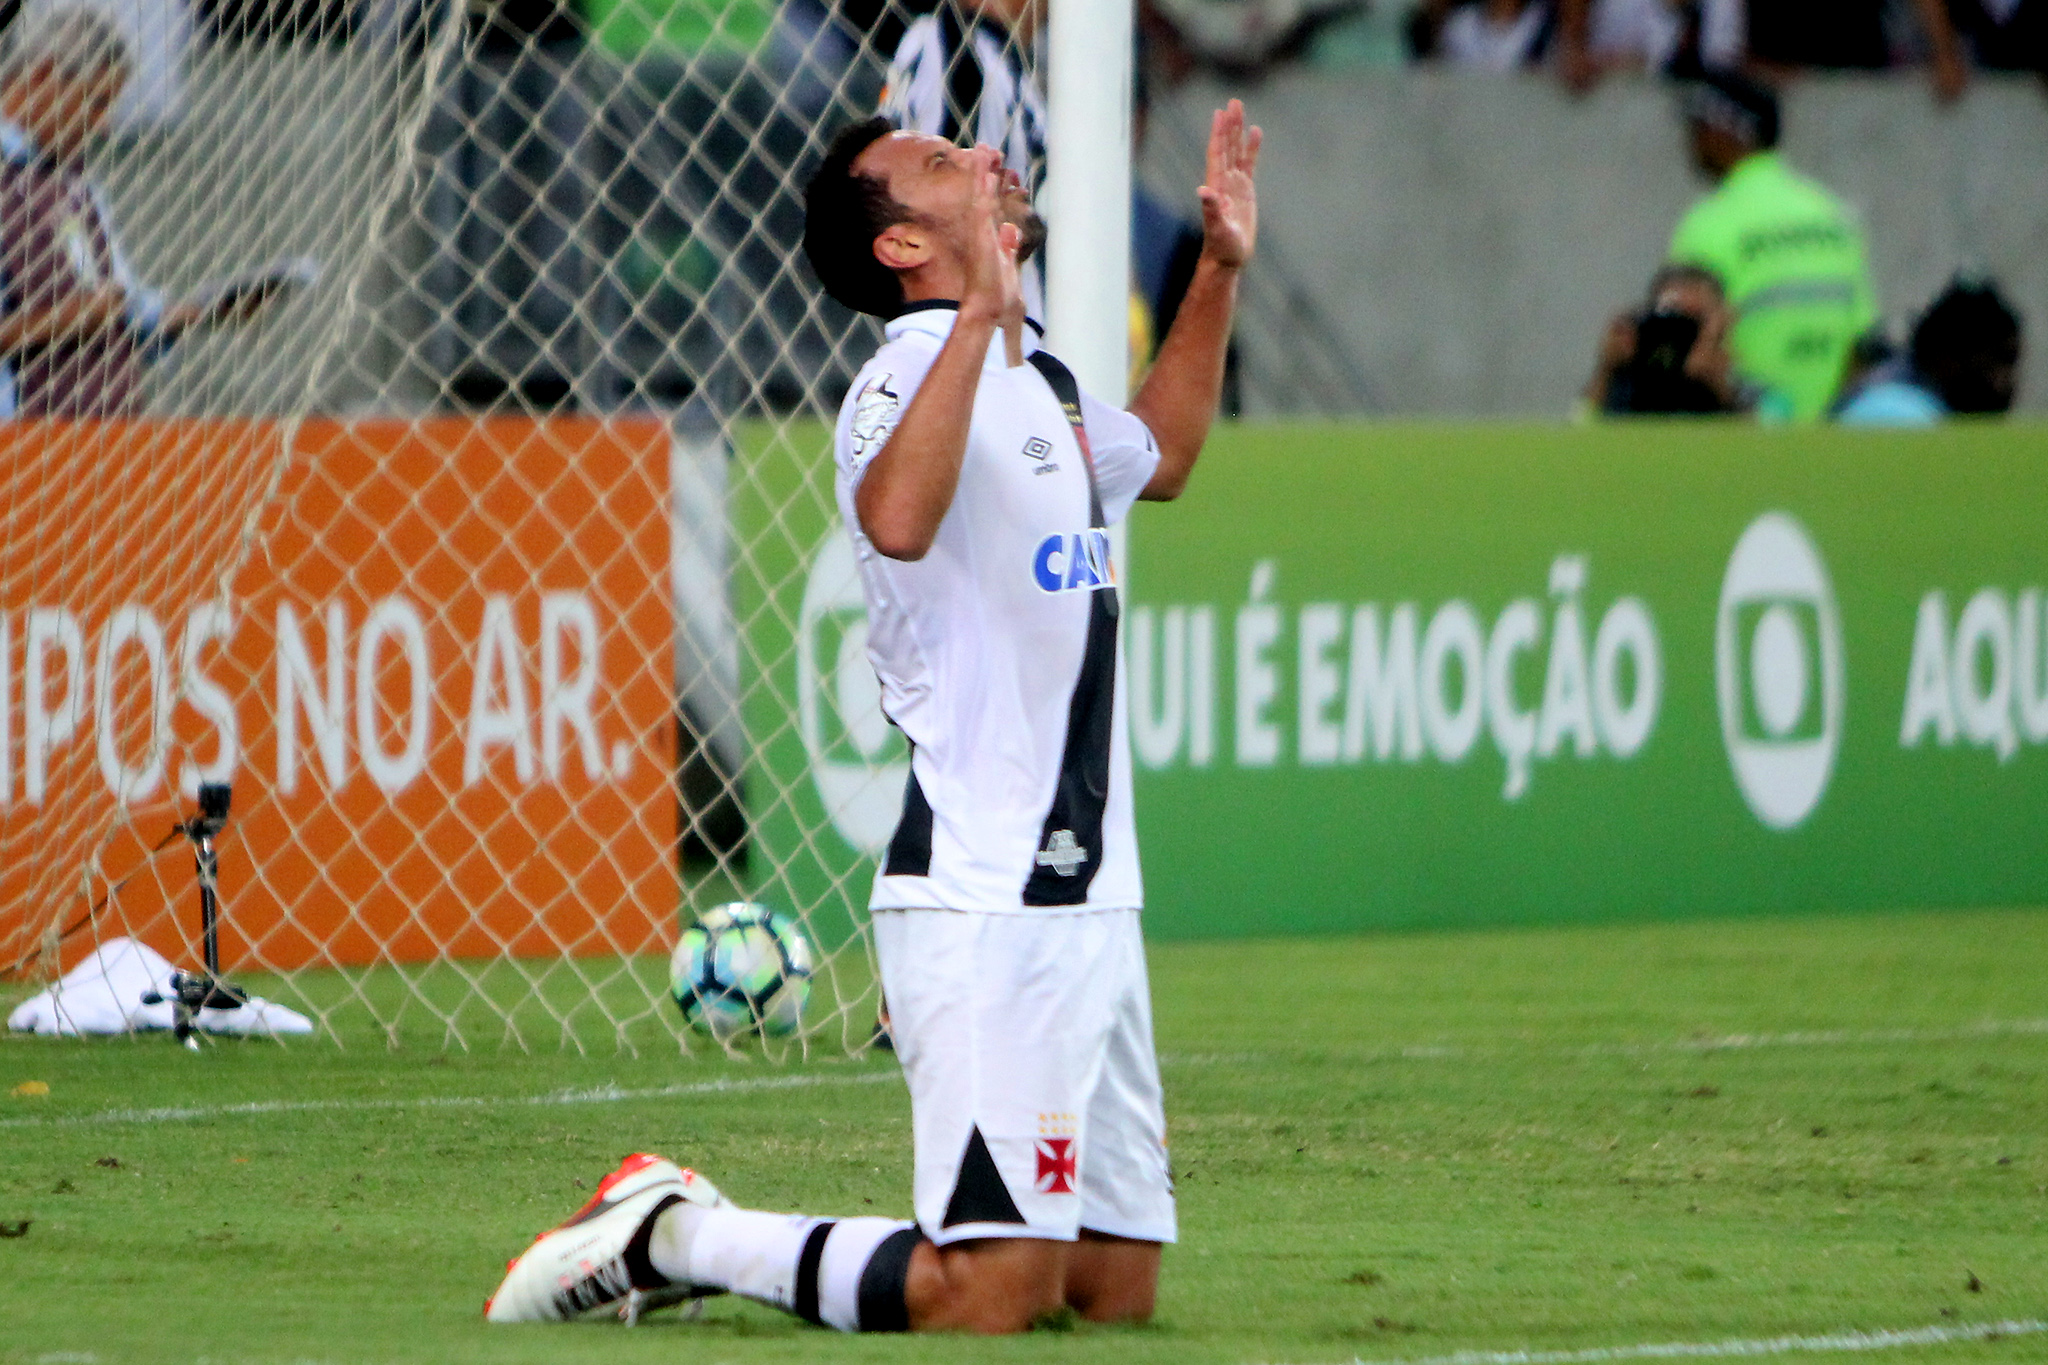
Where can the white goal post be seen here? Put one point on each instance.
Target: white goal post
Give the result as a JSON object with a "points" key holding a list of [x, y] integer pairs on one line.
{"points": [[1088, 190]]}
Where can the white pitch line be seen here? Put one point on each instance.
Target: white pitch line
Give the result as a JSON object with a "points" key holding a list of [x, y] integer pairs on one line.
{"points": [[1990, 1028], [604, 1094], [614, 1094], [1764, 1346], [1727, 1042]]}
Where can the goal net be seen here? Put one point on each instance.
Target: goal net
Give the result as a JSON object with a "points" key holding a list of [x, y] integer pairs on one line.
{"points": [[421, 426]]}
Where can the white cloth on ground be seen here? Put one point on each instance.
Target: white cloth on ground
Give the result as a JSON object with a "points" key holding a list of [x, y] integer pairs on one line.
{"points": [[106, 994]]}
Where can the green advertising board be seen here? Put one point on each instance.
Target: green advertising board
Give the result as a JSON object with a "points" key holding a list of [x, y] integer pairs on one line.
{"points": [[1403, 676], [816, 779]]}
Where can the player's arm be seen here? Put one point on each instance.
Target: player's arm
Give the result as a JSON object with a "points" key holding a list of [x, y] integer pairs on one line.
{"points": [[906, 489], [74, 318], [1179, 397]]}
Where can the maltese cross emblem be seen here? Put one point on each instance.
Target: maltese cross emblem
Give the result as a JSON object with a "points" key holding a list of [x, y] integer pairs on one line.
{"points": [[1057, 1167]]}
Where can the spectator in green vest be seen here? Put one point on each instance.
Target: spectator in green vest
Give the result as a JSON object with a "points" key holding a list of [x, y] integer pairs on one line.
{"points": [[1790, 254]]}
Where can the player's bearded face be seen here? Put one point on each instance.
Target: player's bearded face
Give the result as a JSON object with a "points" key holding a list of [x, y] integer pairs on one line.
{"points": [[1016, 210], [935, 180]]}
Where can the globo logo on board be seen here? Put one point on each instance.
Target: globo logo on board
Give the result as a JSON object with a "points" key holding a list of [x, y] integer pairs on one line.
{"points": [[1778, 670]]}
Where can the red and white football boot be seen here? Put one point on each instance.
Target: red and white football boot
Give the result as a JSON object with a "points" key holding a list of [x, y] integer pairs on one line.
{"points": [[596, 1263]]}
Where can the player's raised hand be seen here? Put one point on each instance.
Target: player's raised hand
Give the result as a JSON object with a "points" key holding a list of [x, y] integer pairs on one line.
{"points": [[994, 289], [1230, 199]]}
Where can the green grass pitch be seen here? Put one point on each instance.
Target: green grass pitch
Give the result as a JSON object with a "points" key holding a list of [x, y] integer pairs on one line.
{"points": [[1387, 1148]]}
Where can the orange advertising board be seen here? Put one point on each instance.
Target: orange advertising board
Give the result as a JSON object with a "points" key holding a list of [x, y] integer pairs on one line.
{"points": [[437, 673]]}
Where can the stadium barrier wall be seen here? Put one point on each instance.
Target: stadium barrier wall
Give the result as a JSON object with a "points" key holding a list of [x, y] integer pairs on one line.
{"points": [[1430, 676], [441, 689]]}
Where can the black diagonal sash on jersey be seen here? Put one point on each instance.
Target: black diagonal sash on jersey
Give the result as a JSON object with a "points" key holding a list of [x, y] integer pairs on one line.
{"points": [[910, 847], [1070, 843]]}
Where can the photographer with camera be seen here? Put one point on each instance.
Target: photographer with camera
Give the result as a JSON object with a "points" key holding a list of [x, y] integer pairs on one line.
{"points": [[1671, 355]]}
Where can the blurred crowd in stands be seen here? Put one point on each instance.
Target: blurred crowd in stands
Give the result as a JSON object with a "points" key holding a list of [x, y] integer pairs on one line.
{"points": [[1579, 40], [1765, 306], [1583, 40]]}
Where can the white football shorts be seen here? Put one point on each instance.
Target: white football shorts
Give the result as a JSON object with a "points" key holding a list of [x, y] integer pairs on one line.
{"points": [[1026, 1040]]}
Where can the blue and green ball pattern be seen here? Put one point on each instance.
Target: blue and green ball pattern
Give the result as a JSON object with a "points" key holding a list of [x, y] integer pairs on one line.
{"points": [[742, 968]]}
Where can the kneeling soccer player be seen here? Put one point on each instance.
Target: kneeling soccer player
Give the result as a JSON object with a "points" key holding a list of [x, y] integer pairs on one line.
{"points": [[978, 484]]}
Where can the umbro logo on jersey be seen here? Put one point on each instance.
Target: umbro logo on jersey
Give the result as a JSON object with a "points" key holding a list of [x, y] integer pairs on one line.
{"points": [[1062, 853], [1040, 449], [1073, 563]]}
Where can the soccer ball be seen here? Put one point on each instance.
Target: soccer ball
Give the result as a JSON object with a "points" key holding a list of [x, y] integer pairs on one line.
{"points": [[741, 968]]}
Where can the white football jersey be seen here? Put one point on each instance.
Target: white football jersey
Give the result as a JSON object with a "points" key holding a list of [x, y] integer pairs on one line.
{"points": [[997, 650]]}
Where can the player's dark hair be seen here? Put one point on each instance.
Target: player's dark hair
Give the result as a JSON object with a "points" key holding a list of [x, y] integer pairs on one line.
{"points": [[844, 211]]}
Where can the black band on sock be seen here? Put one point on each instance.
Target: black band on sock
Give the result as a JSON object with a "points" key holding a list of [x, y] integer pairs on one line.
{"points": [[806, 1299], [881, 1305], [639, 1264]]}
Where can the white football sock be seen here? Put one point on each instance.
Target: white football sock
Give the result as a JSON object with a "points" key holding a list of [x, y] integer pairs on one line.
{"points": [[861, 1272], [668, 1247], [817, 1268]]}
